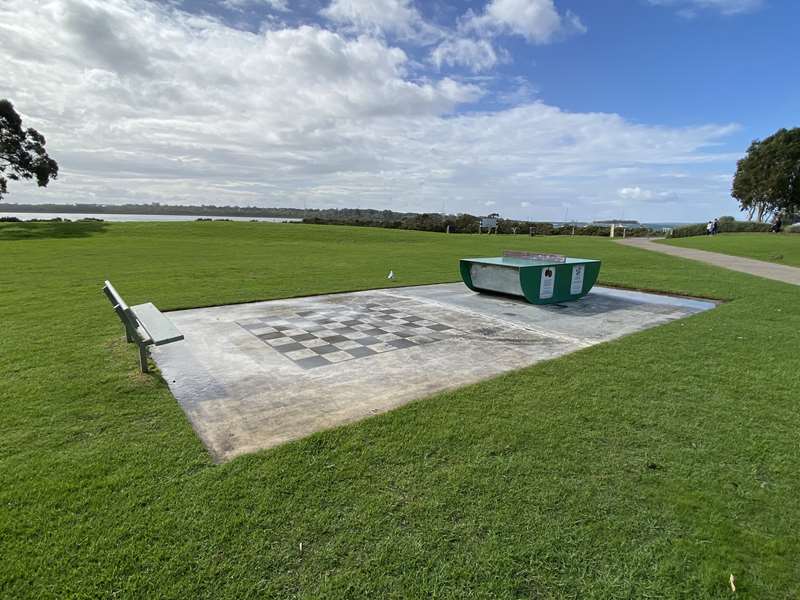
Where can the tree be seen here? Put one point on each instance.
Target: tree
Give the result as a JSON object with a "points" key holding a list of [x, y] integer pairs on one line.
{"points": [[22, 152], [767, 179]]}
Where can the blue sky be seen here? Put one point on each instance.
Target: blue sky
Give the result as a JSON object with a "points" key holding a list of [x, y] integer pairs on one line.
{"points": [[652, 65], [532, 108], [681, 63]]}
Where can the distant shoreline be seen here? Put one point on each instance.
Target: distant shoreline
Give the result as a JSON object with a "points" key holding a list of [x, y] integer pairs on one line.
{"points": [[173, 212]]}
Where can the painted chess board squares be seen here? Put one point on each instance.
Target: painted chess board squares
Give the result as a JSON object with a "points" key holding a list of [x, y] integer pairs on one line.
{"points": [[317, 338]]}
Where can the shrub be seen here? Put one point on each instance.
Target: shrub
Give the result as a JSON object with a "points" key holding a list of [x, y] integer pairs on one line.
{"points": [[640, 232], [744, 227], [688, 230], [466, 223], [535, 228], [724, 227]]}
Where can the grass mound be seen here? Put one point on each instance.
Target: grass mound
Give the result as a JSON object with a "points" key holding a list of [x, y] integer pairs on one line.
{"points": [[777, 248]]}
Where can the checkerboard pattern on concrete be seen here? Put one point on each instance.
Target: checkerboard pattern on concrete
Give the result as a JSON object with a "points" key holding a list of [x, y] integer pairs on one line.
{"points": [[317, 338]]}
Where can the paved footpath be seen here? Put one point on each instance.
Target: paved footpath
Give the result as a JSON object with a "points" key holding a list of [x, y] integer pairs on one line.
{"points": [[734, 263]]}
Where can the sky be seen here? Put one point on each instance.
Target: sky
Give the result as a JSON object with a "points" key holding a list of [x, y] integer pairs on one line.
{"points": [[534, 109]]}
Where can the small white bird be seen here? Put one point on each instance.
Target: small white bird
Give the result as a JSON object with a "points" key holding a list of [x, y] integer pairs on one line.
{"points": [[391, 275]]}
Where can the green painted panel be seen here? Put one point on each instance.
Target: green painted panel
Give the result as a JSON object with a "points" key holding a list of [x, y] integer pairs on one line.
{"points": [[464, 267]]}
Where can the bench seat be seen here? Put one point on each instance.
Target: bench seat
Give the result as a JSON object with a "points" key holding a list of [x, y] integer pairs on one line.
{"points": [[159, 329]]}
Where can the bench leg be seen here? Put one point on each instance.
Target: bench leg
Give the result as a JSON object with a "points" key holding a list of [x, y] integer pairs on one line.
{"points": [[128, 334], [143, 358]]}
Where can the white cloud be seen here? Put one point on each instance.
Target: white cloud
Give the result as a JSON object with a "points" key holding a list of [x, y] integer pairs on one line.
{"points": [[636, 193], [282, 5], [645, 195], [398, 17], [142, 102], [689, 8], [279, 5], [476, 55], [523, 92], [538, 21]]}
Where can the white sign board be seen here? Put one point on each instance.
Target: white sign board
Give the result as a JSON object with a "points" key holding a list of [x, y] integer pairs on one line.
{"points": [[576, 286], [548, 283]]}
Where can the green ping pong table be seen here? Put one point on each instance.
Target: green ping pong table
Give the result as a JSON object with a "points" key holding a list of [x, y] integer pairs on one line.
{"points": [[539, 278]]}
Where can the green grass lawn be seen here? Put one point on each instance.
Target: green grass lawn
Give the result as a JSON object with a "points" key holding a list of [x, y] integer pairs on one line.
{"points": [[650, 467], [783, 248]]}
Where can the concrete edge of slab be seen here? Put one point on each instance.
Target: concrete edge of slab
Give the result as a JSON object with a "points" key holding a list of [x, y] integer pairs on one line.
{"points": [[656, 297], [241, 395], [647, 296]]}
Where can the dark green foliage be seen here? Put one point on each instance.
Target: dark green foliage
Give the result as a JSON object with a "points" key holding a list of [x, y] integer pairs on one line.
{"points": [[22, 151], [466, 223], [689, 230], [743, 227], [51, 228], [767, 179], [724, 227], [462, 223]]}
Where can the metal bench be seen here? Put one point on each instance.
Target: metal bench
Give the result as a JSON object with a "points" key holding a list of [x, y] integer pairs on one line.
{"points": [[144, 324]]}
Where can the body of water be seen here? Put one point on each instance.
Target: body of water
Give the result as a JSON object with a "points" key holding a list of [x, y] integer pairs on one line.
{"points": [[649, 225], [26, 216]]}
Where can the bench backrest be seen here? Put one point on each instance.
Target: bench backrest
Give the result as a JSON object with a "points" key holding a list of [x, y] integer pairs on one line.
{"points": [[120, 306], [113, 295]]}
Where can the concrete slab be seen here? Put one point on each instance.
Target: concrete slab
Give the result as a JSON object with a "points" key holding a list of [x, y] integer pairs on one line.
{"points": [[251, 376]]}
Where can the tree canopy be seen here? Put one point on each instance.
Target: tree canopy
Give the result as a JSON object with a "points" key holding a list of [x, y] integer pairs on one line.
{"points": [[767, 180], [22, 151]]}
